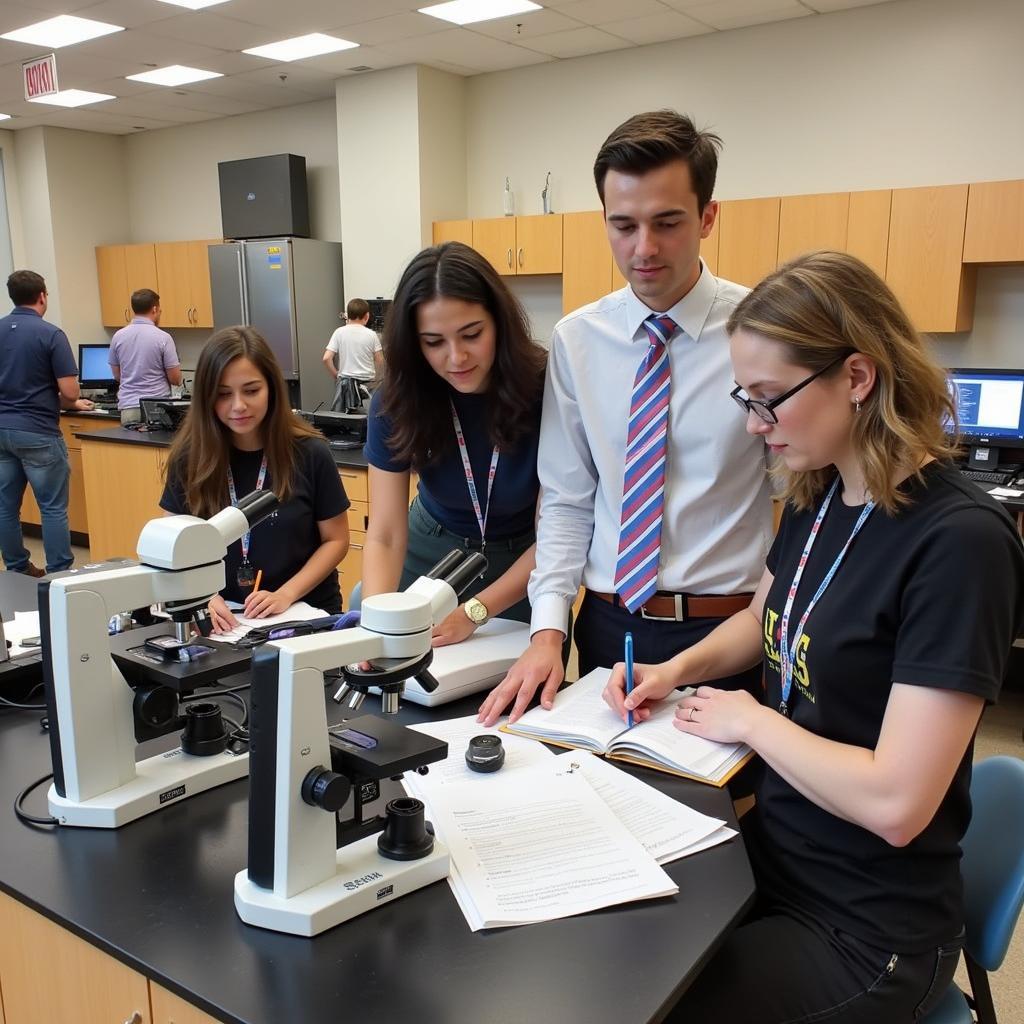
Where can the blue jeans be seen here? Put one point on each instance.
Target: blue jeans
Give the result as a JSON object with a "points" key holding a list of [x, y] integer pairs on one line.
{"points": [[42, 461]]}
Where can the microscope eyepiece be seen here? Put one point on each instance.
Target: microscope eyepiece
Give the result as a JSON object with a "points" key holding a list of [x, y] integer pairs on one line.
{"points": [[257, 505], [472, 566]]}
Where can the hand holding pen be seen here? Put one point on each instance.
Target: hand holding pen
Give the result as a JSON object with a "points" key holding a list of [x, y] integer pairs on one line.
{"points": [[629, 675]]}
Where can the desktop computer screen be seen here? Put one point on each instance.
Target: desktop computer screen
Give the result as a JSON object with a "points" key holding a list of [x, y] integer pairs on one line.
{"points": [[990, 406], [93, 369]]}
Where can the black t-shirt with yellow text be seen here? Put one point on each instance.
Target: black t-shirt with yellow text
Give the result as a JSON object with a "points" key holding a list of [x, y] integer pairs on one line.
{"points": [[931, 596]]}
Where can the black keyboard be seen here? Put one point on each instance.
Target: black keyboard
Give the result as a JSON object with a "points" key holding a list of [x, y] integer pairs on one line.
{"points": [[986, 476]]}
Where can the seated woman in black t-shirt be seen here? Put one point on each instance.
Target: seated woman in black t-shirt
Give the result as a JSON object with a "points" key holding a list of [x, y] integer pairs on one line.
{"points": [[460, 405], [883, 621], [240, 435]]}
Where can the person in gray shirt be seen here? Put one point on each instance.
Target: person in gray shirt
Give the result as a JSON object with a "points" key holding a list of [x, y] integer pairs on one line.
{"points": [[142, 357]]}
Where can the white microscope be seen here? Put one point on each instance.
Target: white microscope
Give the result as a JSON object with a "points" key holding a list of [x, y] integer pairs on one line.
{"points": [[302, 772], [95, 717]]}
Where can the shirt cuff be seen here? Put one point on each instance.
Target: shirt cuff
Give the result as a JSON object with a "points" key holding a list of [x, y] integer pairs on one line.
{"points": [[550, 611]]}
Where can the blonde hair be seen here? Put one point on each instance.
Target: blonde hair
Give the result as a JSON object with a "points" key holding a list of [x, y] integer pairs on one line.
{"points": [[827, 305]]}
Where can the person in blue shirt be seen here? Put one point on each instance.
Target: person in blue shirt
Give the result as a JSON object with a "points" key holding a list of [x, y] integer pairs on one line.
{"points": [[460, 405], [38, 377]]}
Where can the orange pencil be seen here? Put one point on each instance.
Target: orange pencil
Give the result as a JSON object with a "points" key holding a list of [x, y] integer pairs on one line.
{"points": [[256, 585]]}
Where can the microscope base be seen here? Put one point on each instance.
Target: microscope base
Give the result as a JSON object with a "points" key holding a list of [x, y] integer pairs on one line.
{"points": [[160, 781], [364, 880]]}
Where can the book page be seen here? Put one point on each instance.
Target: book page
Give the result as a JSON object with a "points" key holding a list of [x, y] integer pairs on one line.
{"points": [[667, 828], [527, 853], [579, 716]]}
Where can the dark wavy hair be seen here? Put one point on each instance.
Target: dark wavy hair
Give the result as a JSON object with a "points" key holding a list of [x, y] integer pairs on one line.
{"points": [[415, 398], [199, 456]]}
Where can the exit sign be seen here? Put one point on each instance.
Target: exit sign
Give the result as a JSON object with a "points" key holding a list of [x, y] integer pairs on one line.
{"points": [[40, 76]]}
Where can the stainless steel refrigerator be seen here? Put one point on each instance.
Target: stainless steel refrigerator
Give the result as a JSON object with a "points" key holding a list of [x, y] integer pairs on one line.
{"points": [[291, 291]]}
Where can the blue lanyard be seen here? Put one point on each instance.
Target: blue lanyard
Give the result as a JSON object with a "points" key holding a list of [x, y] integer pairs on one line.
{"points": [[234, 498], [788, 651]]}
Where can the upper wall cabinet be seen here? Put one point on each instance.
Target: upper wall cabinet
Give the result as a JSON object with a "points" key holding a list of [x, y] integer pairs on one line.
{"points": [[807, 223], [521, 245], [867, 233], [183, 273], [995, 223], [924, 265], [123, 269], [748, 239], [453, 231]]}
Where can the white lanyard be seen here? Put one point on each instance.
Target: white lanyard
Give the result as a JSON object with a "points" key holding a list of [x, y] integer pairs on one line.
{"points": [[788, 651], [234, 498], [481, 518]]}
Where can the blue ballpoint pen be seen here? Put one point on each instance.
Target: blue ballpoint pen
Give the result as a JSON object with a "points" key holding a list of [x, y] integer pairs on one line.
{"points": [[629, 676]]}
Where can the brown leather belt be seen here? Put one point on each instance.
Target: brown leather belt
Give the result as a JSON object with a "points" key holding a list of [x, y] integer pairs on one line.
{"points": [[680, 607]]}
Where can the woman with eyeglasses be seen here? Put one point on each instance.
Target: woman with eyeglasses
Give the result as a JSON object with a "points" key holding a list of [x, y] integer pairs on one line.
{"points": [[883, 621]]}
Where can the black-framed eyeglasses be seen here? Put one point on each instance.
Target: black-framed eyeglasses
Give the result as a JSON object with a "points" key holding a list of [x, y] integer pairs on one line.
{"points": [[766, 410]]}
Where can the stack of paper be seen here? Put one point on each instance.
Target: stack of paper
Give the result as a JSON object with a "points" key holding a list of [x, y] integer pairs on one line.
{"points": [[548, 837], [22, 626], [298, 612]]}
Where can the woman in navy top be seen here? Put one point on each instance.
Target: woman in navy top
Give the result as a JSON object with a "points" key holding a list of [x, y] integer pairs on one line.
{"points": [[460, 405]]}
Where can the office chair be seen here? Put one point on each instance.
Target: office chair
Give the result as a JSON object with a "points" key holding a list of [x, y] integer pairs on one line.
{"points": [[993, 873]]}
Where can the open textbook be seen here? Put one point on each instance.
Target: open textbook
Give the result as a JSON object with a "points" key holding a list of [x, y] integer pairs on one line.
{"points": [[581, 719], [501, 827]]}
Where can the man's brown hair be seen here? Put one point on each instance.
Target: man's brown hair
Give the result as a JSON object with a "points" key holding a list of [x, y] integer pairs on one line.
{"points": [[144, 300], [651, 140], [357, 309]]}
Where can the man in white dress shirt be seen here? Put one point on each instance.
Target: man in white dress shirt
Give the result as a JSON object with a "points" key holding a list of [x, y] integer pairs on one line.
{"points": [[655, 175]]}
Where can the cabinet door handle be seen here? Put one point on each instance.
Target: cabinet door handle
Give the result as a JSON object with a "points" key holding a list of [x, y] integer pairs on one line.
{"points": [[135, 1018], [126, 317], [520, 257], [192, 314], [355, 547], [509, 258]]}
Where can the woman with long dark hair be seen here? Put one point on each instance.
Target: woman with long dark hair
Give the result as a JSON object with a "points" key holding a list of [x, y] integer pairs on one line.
{"points": [[460, 405], [240, 435]]}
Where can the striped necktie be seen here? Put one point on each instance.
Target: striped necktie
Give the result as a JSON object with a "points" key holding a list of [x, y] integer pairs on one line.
{"points": [[643, 484]]}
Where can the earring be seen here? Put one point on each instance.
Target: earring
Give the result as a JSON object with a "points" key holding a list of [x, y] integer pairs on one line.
{"points": [[856, 405]]}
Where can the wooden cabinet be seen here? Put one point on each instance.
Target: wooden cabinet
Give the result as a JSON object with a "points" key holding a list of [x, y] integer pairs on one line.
{"points": [[121, 270], [183, 281], [48, 974], [123, 485], [171, 1009], [812, 222], [587, 264], [350, 572], [924, 264], [748, 239], [867, 233], [520, 245], [995, 223], [453, 231]]}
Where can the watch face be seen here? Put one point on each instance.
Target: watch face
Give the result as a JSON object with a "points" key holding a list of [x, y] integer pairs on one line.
{"points": [[476, 610]]}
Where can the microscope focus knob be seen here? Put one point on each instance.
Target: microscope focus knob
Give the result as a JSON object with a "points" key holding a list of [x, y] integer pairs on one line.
{"points": [[323, 788]]}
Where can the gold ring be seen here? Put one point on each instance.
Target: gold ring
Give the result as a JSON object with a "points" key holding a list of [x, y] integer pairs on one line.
{"points": [[690, 719]]}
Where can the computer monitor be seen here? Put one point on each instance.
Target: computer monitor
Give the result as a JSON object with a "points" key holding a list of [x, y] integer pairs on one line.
{"points": [[990, 409], [94, 369]]}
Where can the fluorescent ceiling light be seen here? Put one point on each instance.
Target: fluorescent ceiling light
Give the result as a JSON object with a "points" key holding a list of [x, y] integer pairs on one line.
{"points": [[176, 74], [465, 12], [301, 46], [73, 98], [61, 31], [194, 5], [5, 117]]}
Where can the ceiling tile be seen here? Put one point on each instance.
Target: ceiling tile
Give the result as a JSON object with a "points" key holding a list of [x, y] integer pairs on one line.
{"points": [[391, 28], [214, 30], [464, 48], [221, 106], [127, 13], [597, 12], [578, 42], [144, 46], [726, 14], [344, 61], [522, 27], [297, 78], [656, 28], [826, 6]]}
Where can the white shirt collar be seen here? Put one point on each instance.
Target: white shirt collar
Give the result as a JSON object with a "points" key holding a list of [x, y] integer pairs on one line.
{"points": [[690, 313]]}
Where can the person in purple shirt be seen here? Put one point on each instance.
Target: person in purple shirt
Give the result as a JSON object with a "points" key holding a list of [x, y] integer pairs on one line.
{"points": [[38, 378], [142, 357]]}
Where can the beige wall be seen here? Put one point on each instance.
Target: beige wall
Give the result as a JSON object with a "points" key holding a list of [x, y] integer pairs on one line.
{"points": [[13, 196], [913, 92], [173, 191], [441, 102], [34, 211], [378, 165]]}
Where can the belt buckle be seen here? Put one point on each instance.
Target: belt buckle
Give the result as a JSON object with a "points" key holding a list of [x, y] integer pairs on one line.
{"points": [[680, 615]]}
